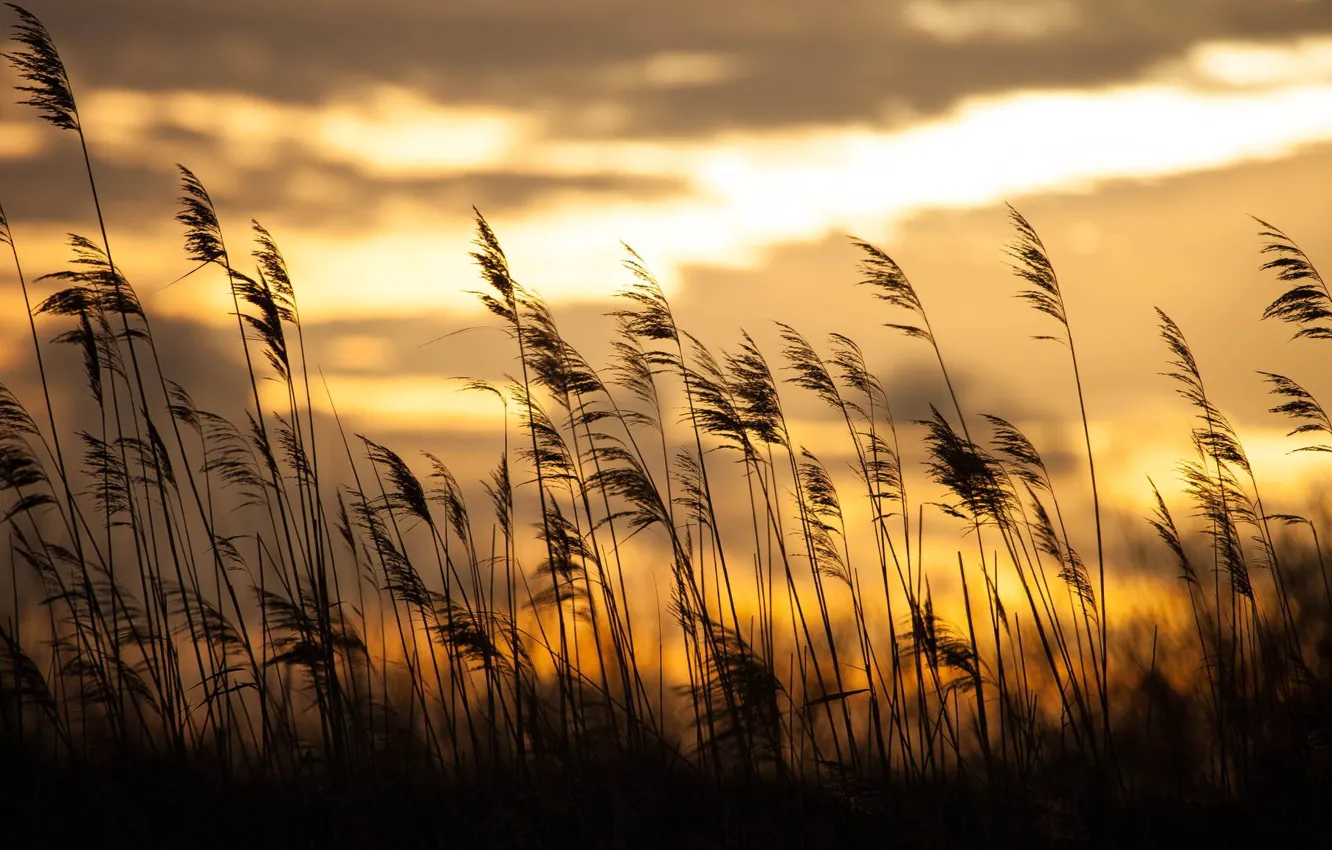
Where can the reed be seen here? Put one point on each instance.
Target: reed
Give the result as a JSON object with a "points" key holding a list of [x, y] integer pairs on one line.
{"points": [[208, 601]]}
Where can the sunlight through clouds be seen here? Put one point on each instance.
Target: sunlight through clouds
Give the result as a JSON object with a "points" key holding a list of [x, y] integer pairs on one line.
{"points": [[19, 139], [424, 402], [742, 193], [749, 194], [961, 20], [1240, 64], [671, 70], [385, 130]]}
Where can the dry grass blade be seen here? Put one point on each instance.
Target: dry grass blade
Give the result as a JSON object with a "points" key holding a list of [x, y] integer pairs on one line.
{"points": [[275, 275], [406, 494], [494, 265], [1216, 437], [1072, 571], [744, 682], [1032, 264], [38, 62], [1302, 407], [811, 372], [941, 644], [653, 319], [6, 237], [751, 384], [967, 471], [1221, 504], [1306, 303], [203, 234], [890, 284], [1012, 444], [824, 509]]}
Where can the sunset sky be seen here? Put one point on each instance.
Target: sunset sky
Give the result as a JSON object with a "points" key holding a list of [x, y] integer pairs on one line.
{"points": [[734, 145]]}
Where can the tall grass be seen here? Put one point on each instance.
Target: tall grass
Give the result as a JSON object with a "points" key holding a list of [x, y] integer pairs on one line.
{"points": [[381, 628]]}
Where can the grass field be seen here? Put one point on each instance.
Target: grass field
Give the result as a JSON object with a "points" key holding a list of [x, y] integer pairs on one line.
{"points": [[209, 640]]}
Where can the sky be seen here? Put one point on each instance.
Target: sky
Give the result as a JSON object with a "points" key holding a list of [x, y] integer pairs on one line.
{"points": [[735, 146]]}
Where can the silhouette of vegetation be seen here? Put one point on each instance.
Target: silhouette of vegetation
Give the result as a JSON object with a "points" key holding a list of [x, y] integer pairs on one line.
{"points": [[375, 662]]}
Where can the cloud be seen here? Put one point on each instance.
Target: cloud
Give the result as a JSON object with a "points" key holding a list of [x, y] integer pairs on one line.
{"points": [[682, 69], [1244, 64], [370, 193], [743, 196], [139, 186], [672, 69], [383, 130], [967, 20], [388, 231]]}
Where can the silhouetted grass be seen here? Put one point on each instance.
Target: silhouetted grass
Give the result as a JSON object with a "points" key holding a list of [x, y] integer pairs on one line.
{"points": [[373, 662]]}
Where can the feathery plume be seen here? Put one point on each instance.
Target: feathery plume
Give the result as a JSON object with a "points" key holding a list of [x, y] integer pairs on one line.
{"points": [[203, 234], [39, 63], [1306, 303], [891, 285], [1301, 407], [1032, 263]]}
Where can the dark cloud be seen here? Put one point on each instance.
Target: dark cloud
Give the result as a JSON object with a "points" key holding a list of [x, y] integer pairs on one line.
{"points": [[52, 188], [794, 62], [205, 360]]}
